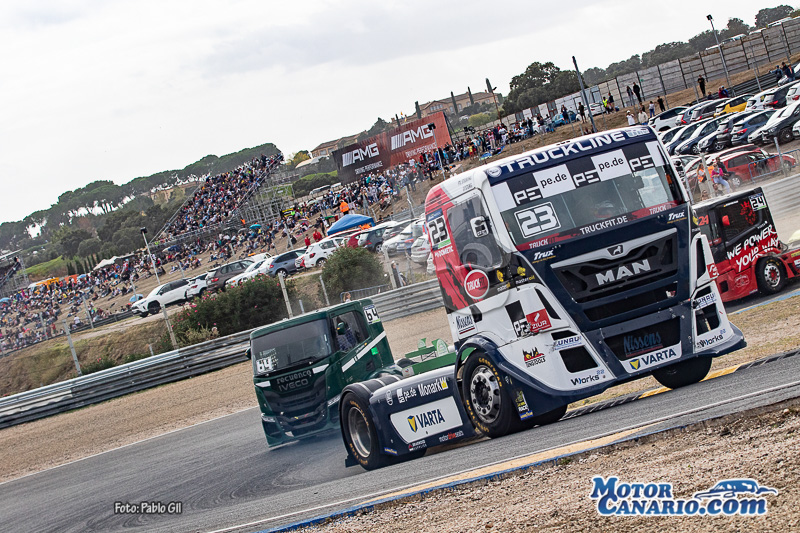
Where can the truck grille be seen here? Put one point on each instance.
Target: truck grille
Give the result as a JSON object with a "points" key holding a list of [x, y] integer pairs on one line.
{"points": [[608, 283], [301, 412]]}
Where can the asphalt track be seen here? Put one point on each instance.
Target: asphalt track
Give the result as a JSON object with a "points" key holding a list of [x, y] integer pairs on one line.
{"points": [[225, 477]]}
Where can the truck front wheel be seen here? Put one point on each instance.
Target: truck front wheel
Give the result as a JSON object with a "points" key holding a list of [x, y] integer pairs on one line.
{"points": [[770, 276], [360, 434], [683, 373], [486, 399]]}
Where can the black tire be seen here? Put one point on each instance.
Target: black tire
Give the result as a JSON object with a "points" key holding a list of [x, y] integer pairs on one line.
{"points": [[695, 149], [359, 433], [487, 401], [154, 307], [144, 314], [735, 181], [201, 293], [770, 275], [378, 247], [785, 135], [787, 166], [683, 373], [321, 262], [282, 272], [718, 146]]}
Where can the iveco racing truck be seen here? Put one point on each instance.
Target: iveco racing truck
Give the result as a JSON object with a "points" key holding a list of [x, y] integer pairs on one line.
{"points": [[564, 270]]}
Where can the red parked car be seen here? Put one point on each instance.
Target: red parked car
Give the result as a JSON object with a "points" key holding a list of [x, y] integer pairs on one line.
{"points": [[745, 165]]}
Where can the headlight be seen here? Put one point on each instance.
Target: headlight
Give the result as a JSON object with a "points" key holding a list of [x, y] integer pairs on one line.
{"points": [[333, 401]]}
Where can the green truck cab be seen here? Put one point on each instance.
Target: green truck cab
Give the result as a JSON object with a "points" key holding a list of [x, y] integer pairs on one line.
{"points": [[301, 365]]}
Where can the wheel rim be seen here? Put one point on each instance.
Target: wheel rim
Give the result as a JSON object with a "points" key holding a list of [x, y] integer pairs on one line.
{"points": [[378, 247], [695, 149], [358, 430], [485, 394], [772, 274]]}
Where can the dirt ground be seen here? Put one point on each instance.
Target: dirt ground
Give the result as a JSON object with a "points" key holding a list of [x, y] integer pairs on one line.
{"points": [[63, 438], [555, 497]]}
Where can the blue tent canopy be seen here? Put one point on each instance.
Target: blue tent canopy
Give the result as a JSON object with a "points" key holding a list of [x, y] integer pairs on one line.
{"points": [[348, 222]]}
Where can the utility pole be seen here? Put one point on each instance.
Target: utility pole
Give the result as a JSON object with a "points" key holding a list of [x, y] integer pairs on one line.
{"points": [[721, 55], [583, 94]]}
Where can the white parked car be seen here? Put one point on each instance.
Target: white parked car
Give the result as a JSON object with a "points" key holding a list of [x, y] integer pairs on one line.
{"points": [[318, 252], [249, 273], [421, 249], [397, 244], [596, 109], [196, 286], [668, 119], [161, 296], [756, 102]]}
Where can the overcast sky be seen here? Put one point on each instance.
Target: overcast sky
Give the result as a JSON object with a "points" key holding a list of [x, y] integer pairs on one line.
{"points": [[119, 89]]}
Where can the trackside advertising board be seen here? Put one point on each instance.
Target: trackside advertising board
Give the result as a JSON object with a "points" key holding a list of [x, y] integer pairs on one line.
{"points": [[391, 148]]}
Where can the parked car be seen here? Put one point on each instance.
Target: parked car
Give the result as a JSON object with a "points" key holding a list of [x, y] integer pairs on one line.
{"points": [[372, 239], [690, 144], [284, 264], [776, 97], [750, 124], [596, 109], [780, 125], [196, 286], [683, 135], [733, 105], [162, 296], [668, 119], [421, 249], [706, 110], [756, 102], [558, 119], [794, 92], [686, 116], [244, 276], [217, 278], [743, 166], [318, 252], [667, 135], [410, 232], [720, 138]]}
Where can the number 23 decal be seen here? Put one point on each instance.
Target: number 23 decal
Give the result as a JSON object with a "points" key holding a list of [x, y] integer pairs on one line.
{"points": [[537, 219]]}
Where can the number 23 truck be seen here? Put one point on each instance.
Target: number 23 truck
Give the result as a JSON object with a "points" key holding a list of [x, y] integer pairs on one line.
{"points": [[564, 271]]}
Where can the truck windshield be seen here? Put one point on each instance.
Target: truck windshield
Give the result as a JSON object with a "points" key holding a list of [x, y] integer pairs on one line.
{"points": [[587, 194], [286, 348]]}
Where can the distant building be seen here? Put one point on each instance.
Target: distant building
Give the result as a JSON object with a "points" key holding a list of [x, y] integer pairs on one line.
{"points": [[462, 101], [327, 148]]}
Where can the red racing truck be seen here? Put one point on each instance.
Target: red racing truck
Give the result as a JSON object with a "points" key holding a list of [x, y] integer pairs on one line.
{"points": [[749, 257]]}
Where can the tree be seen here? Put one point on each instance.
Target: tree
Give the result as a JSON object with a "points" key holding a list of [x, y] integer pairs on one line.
{"points": [[70, 239], [479, 120], [771, 14], [735, 27], [539, 83], [349, 269], [298, 158], [89, 247]]}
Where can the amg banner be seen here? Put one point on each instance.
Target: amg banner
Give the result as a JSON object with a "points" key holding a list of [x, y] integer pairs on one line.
{"points": [[385, 150]]}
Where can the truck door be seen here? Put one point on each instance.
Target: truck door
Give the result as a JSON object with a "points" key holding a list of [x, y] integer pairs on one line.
{"points": [[350, 340], [747, 230]]}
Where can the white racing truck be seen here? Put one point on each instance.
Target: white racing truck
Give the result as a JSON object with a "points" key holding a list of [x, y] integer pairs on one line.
{"points": [[564, 271]]}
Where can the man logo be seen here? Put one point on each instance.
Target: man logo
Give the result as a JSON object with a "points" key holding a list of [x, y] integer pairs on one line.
{"points": [[635, 364], [413, 423], [616, 250], [494, 172]]}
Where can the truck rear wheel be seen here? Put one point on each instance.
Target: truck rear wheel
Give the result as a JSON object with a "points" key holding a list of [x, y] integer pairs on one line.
{"points": [[769, 274], [486, 399], [683, 373], [360, 434]]}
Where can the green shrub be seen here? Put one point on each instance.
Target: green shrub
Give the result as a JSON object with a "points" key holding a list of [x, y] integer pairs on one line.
{"points": [[255, 303], [96, 366], [348, 269]]}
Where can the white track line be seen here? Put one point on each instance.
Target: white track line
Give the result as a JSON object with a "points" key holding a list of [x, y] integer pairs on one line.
{"points": [[432, 480]]}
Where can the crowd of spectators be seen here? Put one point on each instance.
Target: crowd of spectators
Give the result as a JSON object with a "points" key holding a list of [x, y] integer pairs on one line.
{"points": [[215, 200]]}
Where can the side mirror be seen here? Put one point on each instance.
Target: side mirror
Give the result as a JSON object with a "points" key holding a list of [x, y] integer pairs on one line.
{"points": [[725, 220], [678, 164], [341, 328], [479, 227], [248, 353]]}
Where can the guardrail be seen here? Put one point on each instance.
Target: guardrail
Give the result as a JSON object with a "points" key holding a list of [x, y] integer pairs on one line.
{"points": [[178, 364]]}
